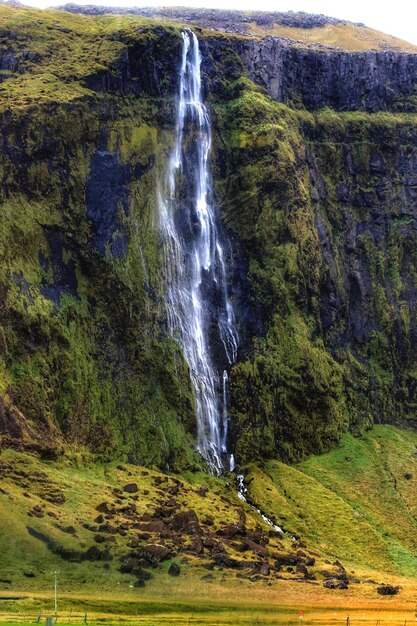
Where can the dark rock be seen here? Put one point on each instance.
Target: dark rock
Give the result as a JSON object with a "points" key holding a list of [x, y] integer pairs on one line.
{"points": [[174, 569], [370, 80], [301, 569], [388, 590], [104, 507], [185, 522], [154, 553], [334, 583], [155, 526], [264, 569], [196, 547], [107, 528], [131, 488], [232, 530]]}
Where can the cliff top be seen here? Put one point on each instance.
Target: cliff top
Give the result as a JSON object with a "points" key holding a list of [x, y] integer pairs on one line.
{"points": [[302, 28]]}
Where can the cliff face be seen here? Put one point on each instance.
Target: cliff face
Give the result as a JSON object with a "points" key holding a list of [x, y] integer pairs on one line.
{"points": [[375, 81], [320, 208]]}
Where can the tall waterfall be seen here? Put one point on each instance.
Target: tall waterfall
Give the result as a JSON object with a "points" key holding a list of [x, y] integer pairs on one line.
{"points": [[200, 314]]}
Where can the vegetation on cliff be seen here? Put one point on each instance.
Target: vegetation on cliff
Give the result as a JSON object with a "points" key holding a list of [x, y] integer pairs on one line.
{"points": [[320, 208]]}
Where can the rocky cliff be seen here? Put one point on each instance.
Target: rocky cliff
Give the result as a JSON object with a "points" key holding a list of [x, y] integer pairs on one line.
{"points": [[319, 204]]}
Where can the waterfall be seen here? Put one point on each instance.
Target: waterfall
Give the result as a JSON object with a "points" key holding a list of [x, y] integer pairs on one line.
{"points": [[200, 314]]}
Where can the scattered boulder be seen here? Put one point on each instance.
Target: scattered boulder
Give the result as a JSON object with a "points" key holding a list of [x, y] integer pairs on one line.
{"points": [[131, 488], [107, 528], [154, 553], [185, 522], [301, 569], [232, 530], [388, 590], [257, 548], [174, 569], [196, 547], [334, 583], [155, 526], [104, 507], [265, 569]]}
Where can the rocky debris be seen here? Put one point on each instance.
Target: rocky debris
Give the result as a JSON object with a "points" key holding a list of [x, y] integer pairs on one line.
{"points": [[388, 590], [107, 528], [232, 530], [154, 553], [257, 548], [185, 522], [196, 547], [36, 511], [131, 488], [52, 495], [334, 583], [287, 559], [174, 569], [105, 507], [70, 530], [265, 569]]}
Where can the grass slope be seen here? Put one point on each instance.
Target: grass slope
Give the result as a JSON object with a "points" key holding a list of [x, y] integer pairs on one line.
{"points": [[357, 502], [350, 37]]}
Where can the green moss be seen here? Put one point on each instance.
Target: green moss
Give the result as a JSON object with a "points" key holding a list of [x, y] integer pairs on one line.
{"points": [[353, 502]]}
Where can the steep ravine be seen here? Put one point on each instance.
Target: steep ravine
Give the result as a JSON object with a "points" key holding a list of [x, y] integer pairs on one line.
{"points": [[320, 207]]}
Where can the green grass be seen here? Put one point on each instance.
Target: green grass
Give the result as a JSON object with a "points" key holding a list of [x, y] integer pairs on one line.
{"points": [[57, 51], [353, 503]]}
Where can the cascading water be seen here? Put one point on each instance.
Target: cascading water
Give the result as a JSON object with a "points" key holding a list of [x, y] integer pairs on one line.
{"points": [[200, 314]]}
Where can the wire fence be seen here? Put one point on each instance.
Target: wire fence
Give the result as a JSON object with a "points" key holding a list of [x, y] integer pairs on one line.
{"points": [[66, 618]]}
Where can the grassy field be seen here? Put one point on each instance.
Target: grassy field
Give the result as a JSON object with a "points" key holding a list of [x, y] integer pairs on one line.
{"points": [[356, 504], [247, 607]]}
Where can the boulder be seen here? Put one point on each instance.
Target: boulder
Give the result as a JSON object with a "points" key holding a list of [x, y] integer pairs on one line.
{"points": [[185, 522], [174, 569], [388, 590], [131, 488], [154, 553], [232, 530], [334, 583]]}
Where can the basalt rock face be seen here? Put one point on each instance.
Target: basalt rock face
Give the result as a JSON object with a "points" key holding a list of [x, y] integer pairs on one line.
{"points": [[374, 81], [319, 206]]}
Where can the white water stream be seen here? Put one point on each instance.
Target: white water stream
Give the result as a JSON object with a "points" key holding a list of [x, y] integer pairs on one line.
{"points": [[200, 314]]}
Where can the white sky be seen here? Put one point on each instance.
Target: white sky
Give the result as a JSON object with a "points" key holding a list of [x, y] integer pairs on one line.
{"points": [[398, 17]]}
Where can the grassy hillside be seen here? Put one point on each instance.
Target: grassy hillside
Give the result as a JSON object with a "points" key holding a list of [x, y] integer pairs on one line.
{"points": [[346, 36], [350, 512], [357, 502]]}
